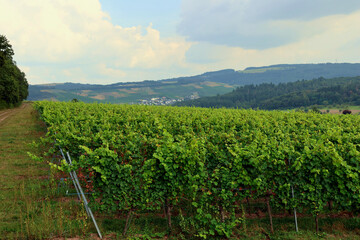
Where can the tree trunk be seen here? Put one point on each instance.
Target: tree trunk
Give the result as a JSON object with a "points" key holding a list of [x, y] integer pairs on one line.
{"points": [[269, 212], [168, 213], [243, 215], [127, 224], [164, 209], [317, 223], [248, 204], [222, 214], [330, 205], [289, 212]]}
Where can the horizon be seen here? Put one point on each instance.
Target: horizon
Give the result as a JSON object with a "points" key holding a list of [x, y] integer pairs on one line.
{"points": [[105, 42], [250, 67]]}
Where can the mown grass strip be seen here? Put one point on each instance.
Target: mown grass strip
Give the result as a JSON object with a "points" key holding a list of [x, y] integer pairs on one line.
{"points": [[30, 205]]}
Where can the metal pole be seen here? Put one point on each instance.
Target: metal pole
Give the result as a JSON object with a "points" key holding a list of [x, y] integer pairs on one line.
{"points": [[295, 217], [296, 224], [77, 184], [71, 175], [84, 199]]}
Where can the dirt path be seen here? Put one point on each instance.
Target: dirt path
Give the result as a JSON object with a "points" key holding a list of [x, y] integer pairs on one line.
{"points": [[4, 114]]}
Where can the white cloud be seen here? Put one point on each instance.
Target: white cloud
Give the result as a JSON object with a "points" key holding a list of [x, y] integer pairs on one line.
{"points": [[339, 41], [78, 35], [257, 24], [110, 72], [66, 40]]}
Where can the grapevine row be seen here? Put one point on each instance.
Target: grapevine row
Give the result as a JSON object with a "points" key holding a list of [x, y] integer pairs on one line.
{"points": [[142, 157]]}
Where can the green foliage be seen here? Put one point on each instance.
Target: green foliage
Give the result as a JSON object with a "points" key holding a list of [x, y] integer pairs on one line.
{"points": [[6, 50], [290, 95], [315, 110], [13, 84], [209, 160]]}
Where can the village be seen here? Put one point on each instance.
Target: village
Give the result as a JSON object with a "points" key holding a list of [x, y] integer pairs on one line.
{"points": [[161, 101]]}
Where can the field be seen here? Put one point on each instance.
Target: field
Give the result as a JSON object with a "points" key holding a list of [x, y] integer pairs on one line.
{"points": [[339, 109], [179, 173], [130, 93], [202, 167]]}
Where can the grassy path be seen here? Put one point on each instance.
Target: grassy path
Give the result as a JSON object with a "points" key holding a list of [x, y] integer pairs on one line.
{"points": [[29, 206], [18, 129]]}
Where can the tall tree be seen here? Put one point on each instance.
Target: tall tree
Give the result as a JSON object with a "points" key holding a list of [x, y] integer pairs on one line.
{"points": [[5, 48], [13, 83]]}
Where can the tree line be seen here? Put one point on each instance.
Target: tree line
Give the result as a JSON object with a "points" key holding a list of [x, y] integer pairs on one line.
{"points": [[13, 83], [304, 93]]}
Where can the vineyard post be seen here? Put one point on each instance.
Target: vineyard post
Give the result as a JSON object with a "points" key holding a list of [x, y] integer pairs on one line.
{"points": [[248, 204], [269, 212], [168, 213], [84, 198], [293, 197], [127, 223], [295, 217], [72, 177], [77, 184]]}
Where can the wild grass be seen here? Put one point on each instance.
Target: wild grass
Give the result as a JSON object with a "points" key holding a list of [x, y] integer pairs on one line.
{"points": [[31, 207], [153, 226]]}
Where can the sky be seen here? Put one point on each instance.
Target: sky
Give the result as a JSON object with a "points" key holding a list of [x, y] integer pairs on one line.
{"points": [[109, 41]]}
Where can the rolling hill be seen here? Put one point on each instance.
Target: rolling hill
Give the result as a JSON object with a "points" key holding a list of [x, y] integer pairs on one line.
{"points": [[207, 84]]}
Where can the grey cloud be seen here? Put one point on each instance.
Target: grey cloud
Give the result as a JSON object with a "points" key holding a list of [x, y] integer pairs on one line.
{"points": [[254, 23]]}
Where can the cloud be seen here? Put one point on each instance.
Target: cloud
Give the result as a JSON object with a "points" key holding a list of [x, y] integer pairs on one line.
{"points": [[111, 72], [76, 38], [257, 24], [76, 41], [338, 42]]}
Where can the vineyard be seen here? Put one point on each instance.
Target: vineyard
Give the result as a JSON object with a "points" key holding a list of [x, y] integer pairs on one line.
{"points": [[202, 164]]}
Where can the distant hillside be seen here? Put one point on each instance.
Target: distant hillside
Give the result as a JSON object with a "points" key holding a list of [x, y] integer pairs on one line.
{"points": [[127, 92], [302, 93], [207, 84], [293, 72]]}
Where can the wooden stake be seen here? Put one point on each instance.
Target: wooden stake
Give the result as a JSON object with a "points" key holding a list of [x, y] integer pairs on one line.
{"points": [[248, 203], [270, 215], [330, 205], [127, 224], [168, 213], [222, 213]]}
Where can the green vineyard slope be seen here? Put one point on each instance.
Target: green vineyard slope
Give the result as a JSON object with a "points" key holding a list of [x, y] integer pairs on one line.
{"points": [[142, 157]]}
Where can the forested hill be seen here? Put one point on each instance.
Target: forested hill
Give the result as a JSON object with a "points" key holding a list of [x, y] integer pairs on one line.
{"points": [[321, 91], [206, 84]]}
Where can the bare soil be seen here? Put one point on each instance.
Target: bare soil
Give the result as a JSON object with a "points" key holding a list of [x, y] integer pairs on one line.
{"points": [[336, 111], [4, 114]]}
